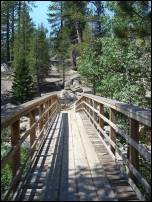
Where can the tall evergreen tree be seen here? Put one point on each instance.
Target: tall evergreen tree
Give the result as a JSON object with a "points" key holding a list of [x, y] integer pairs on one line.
{"points": [[22, 84], [39, 56]]}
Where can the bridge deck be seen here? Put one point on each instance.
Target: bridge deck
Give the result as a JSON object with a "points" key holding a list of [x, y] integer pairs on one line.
{"points": [[74, 165]]}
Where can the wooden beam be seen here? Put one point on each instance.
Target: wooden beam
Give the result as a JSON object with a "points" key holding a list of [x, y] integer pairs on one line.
{"points": [[112, 131], [101, 122], [33, 131], [16, 159], [133, 154]]}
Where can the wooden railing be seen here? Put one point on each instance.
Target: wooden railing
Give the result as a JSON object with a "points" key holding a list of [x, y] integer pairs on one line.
{"points": [[94, 107], [41, 112]]}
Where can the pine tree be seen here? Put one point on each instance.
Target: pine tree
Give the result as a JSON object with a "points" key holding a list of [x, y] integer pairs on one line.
{"points": [[22, 84], [39, 56]]}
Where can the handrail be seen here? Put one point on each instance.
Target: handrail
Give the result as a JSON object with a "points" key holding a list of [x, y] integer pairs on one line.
{"points": [[10, 116], [93, 106], [46, 108], [139, 114]]}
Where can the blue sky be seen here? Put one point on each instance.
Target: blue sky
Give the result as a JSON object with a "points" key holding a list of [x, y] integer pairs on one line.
{"points": [[39, 14]]}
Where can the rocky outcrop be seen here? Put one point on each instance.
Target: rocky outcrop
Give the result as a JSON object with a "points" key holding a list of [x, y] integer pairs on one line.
{"points": [[67, 97]]}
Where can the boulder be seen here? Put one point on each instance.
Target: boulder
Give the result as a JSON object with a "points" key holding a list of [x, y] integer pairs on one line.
{"points": [[107, 129], [67, 85], [76, 89], [73, 96], [66, 97], [76, 83], [87, 90]]}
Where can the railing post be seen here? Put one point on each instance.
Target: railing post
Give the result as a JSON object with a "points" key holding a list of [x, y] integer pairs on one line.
{"points": [[112, 131], [33, 132], [133, 153], [94, 113], [101, 122], [16, 159], [41, 121], [50, 102]]}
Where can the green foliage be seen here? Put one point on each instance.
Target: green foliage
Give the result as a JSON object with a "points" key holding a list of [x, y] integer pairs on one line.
{"points": [[117, 67], [6, 177], [22, 88], [39, 53], [22, 85]]}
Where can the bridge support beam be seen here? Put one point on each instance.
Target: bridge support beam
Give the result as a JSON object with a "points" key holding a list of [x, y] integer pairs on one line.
{"points": [[133, 154], [112, 131], [33, 132], [16, 159], [101, 122]]}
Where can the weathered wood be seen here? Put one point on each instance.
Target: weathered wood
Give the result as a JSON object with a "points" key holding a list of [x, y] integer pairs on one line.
{"points": [[134, 112], [140, 148], [41, 121], [33, 131], [101, 122], [133, 153], [16, 161], [11, 116], [112, 131], [109, 165]]}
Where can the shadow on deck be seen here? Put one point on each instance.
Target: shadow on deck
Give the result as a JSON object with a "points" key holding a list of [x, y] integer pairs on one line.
{"points": [[54, 178]]}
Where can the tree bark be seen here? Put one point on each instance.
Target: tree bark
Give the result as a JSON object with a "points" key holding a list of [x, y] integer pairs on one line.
{"points": [[8, 38], [73, 55], [19, 13], [12, 41], [78, 31]]}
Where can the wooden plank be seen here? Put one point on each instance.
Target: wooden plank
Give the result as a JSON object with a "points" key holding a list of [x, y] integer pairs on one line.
{"points": [[111, 169], [112, 131], [37, 176], [97, 172], [33, 131], [85, 188], [131, 167], [11, 116], [140, 148], [67, 182], [16, 161], [133, 153]]}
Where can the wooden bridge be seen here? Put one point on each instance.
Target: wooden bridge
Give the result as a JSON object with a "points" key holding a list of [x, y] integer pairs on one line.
{"points": [[72, 157]]}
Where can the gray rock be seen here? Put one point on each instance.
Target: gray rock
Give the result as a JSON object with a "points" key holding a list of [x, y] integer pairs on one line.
{"points": [[77, 89], [76, 83], [67, 97], [107, 129], [67, 84], [87, 90]]}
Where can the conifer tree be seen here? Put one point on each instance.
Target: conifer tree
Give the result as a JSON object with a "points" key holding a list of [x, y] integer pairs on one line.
{"points": [[22, 84], [39, 56]]}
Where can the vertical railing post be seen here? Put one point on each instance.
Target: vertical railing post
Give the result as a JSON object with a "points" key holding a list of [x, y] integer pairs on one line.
{"points": [[101, 122], [94, 113], [133, 153], [41, 121], [33, 132], [50, 103], [16, 159], [112, 131]]}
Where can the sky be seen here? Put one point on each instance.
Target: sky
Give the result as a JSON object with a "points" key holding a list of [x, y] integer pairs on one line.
{"points": [[39, 14]]}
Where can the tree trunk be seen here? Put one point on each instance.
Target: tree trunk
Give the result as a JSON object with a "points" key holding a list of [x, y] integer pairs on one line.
{"points": [[73, 55], [12, 41], [61, 15], [19, 13], [8, 38], [94, 87], [63, 75], [79, 33]]}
